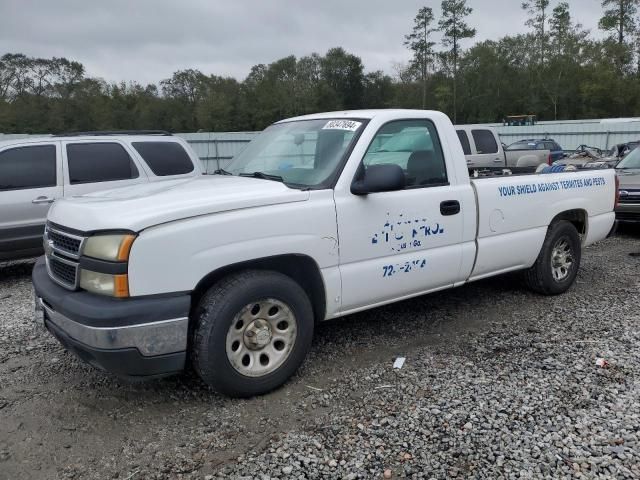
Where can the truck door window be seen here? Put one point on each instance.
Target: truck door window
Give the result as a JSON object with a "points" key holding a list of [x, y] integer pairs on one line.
{"points": [[164, 158], [99, 162], [464, 140], [485, 141], [28, 167], [414, 146]]}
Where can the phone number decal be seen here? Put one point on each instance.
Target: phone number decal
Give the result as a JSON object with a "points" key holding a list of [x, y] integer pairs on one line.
{"points": [[406, 267]]}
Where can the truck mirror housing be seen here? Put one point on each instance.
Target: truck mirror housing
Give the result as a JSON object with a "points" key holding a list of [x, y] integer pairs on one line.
{"points": [[386, 177]]}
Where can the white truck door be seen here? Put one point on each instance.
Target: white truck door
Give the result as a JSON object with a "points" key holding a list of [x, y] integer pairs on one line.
{"points": [[92, 165], [401, 243]]}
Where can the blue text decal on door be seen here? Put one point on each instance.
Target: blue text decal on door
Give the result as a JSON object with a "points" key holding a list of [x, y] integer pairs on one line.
{"points": [[406, 233]]}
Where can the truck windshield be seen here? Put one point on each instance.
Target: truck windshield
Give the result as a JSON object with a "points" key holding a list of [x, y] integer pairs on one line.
{"points": [[301, 154], [632, 160]]}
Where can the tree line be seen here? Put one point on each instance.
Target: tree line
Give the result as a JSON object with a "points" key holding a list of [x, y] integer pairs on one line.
{"points": [[556, 70]]}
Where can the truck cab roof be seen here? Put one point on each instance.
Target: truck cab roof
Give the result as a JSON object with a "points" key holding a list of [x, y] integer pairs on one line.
{"points": [[384, 113]]}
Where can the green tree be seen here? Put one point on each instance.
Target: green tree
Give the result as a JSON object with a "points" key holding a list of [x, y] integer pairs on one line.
{"points": [[619, 20], [454, 29], [378, 90], [565, 56], [344, 74], [420, 43], [184, 89], [537, 10]]}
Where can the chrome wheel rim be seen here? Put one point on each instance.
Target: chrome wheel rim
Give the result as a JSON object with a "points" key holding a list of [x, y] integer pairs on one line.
{"points": [[261, 337], [561, 260]]}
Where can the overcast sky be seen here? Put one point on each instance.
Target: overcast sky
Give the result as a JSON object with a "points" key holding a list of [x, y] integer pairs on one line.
{"points": [[147, 40]]}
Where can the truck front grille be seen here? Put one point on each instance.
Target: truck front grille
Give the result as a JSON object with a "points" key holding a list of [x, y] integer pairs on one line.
{"points": [[629, 195], [62, 250], [64, 242], [64, 272]]}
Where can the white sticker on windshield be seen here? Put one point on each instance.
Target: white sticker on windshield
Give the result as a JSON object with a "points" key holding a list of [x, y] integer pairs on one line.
{"points": [[349, 125]]}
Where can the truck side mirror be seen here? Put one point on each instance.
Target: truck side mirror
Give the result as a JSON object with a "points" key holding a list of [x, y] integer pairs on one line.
{"points": [[386, 177]]}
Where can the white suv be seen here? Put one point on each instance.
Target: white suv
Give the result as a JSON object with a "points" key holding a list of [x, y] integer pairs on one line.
{"points": [[34, 172]]}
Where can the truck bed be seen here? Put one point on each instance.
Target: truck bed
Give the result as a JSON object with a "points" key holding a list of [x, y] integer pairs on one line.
{"points": [[514, 212]]}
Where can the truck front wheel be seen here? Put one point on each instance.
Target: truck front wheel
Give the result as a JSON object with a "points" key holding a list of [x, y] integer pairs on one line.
{"points": [[253, 330], [557, 264]]}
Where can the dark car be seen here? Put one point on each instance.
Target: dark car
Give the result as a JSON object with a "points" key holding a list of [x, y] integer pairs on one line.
{"points": [[628, 171], [539, 144]]}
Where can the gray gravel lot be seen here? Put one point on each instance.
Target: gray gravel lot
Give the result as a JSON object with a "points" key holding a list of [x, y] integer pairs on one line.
{"points": [[498, 383]]}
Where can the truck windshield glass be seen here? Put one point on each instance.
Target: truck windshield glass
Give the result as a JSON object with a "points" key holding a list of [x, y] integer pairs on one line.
{"points": [[631, 161], [302, 154]]}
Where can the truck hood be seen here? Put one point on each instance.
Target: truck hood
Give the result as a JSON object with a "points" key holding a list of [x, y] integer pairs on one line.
{"points": [[629, 178], [141, 206]]}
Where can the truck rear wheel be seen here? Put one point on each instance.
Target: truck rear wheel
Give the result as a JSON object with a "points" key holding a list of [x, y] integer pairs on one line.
{"points": [[557, 264], [253, 330]]}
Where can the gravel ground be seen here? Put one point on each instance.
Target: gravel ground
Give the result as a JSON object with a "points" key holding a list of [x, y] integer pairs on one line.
{"points": [[498, 383]]}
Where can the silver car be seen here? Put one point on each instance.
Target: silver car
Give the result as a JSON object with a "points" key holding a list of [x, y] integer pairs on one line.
{"points": [[34, 172]]}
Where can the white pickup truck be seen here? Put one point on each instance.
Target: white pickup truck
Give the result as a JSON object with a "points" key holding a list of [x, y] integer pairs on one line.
{"points": [[319, 217]]}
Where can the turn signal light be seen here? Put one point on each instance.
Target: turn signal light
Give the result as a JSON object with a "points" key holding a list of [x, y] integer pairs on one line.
{"points": [[121, 286]]}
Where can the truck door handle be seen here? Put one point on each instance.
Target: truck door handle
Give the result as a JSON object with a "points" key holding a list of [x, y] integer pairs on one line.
{"points": [[42, 199], [450, 207], [497, 159]]}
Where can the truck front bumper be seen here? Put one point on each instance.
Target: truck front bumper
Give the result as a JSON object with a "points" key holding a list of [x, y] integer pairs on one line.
{"points": [[628, 212], [134, 337]]}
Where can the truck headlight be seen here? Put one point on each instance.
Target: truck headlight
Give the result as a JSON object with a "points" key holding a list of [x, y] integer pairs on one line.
{"points": [[111, 247], [104, 283]]}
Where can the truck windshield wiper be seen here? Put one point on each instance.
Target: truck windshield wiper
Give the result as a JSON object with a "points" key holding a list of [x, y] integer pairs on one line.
{"points": [[263, 176], [221, 171]]}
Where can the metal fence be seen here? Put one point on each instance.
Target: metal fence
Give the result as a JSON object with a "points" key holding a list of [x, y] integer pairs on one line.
{"points": [[570, 135], [216, 149]]}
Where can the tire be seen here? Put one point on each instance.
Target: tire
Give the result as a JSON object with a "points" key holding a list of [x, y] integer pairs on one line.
{"points": [[548, 275], [262, 316]]}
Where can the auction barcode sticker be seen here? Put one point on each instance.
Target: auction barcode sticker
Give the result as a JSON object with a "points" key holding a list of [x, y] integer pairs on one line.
{"points": [[349, 125]]}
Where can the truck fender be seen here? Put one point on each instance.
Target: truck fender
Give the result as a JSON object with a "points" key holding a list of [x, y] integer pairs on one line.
{"points": [[301, 268]]}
